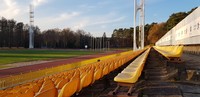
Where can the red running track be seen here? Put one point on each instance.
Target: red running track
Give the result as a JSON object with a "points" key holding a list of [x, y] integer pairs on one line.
{"points": [[25, 69]]}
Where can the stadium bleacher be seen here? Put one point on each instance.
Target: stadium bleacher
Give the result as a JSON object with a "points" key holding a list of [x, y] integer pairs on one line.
{"points": [[68, 83]]}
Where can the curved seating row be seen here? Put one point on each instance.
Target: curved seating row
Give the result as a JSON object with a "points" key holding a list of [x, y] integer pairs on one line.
{"points": [[170, 52], [129, 76], [67, 83], [133, 71]]}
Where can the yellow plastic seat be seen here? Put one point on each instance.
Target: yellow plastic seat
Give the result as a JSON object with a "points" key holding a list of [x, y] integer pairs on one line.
{"points": [[48, 93], [47, 86], [105, 70], [57, 80], [98, 74], [36, 87], [129, 70], [111, 68], [126, 78], [86, 80], [133, 71], [27, 94], [71, 87], [11, 95], [170, 51], [62, 83]]}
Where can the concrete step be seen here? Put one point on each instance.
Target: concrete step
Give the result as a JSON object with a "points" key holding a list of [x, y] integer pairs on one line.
{"points": [[155, 67], [167, 76], [170, 91], [156, 70], [155, 73]]}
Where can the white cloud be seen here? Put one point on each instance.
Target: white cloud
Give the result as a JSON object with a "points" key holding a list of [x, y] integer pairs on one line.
{"points": [[97, 24], [65, 16], [83, 17], [18, 9], [80, 24], [9, 9], [59, 20], [108, 21], [38, 2], [76, 20]]}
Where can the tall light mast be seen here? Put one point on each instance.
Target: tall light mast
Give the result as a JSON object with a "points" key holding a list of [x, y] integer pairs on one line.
{"points": [[139, 8], [31, 32]]}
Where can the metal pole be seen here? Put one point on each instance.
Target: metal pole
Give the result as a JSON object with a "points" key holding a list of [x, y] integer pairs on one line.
{"points": [[139, 33], [139, 8], [134, 26], [31, 32], [143, 23]]}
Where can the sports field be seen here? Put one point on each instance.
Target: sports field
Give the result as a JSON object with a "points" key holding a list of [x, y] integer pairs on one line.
{"points": [[23, 55]]}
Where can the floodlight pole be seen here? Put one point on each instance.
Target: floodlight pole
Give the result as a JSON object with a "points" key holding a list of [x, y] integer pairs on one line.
{"points": [[31, 32], [134, 24], [143, 22], [140, 9]]}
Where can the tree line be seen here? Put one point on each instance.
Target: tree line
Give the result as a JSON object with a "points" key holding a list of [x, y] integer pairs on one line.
{"points": [[123, 37], [15, 34]]}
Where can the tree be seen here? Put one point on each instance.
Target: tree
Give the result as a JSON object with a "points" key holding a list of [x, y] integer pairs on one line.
{"points": [[37, 37], [67, 37], [104, 39], [156, 32], [26, 36], [11, 25], [18, 35], [1, 34], [174, 19], [4, 33], [122, 37]]}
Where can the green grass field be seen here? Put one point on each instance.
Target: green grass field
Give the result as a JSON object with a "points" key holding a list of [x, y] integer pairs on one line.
{"points": [[23, 55]]}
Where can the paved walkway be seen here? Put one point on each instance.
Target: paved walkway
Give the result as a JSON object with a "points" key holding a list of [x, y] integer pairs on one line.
{"points": [[48, 64]]}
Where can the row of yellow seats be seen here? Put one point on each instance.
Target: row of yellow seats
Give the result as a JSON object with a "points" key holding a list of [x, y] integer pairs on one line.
{"points": [[90, 73], [133, 71], [170, 51], [67, 83]]}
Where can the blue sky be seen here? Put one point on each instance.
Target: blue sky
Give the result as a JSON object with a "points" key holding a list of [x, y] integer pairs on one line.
{"points": [[94, 16]]}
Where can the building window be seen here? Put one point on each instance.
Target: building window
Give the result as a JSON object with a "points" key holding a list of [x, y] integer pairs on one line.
{"points": [[190, 28], [198, 26], [185, 31], [194, 27]]}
